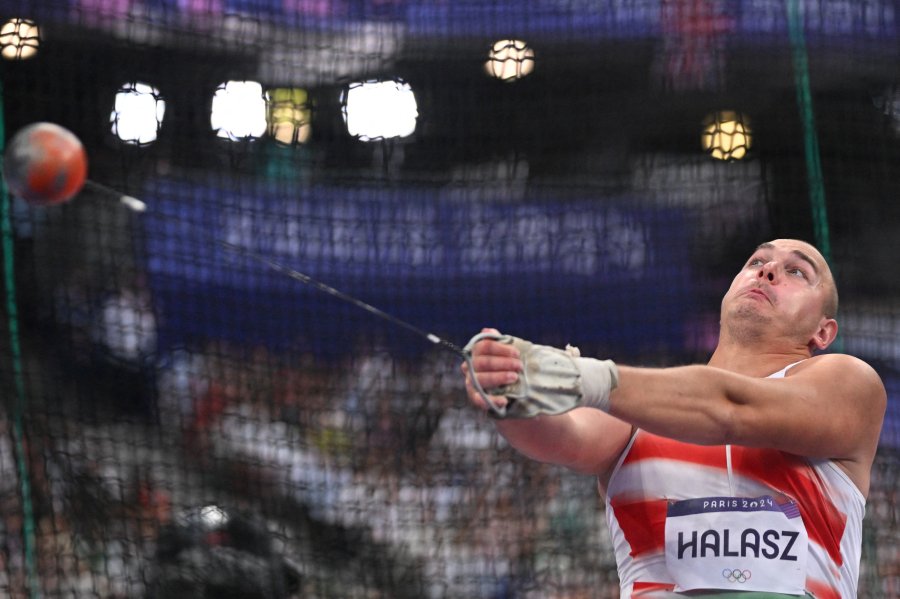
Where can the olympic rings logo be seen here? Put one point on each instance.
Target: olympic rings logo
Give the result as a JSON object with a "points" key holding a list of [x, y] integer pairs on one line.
{"points": [[736, 575]]}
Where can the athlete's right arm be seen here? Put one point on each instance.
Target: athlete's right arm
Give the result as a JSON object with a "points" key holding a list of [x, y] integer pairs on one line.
{"points": [[584, 440]]}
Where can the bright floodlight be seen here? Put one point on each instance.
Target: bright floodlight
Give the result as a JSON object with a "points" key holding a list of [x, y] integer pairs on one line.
{"points": [[509, 60], [289, 115], [138, 113], [379, 110], [19, 39], [726, 135], [239, 110], [212, 516]]}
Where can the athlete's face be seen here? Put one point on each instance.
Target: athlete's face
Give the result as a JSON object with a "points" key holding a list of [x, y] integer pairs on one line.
{"points": [[783, 289]]}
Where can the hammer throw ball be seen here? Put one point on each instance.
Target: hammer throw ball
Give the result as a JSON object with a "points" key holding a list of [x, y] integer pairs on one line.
{"points": [[45, 164]]}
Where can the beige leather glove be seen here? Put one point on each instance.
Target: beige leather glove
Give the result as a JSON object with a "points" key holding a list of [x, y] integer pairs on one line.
{"points": [[554, 381]]}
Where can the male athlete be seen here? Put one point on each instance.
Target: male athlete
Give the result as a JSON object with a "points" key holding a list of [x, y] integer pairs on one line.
{"points": [[745, 476]]}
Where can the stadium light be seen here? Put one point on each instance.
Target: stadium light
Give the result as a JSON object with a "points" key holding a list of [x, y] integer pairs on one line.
{"points": [[288, 115], [19, 39], [138, 113], [509, 60], [239, 110], [376, 110], [726, 135], [212, 516]]}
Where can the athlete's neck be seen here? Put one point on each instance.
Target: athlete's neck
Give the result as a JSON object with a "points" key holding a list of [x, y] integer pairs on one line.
{"points": [[756, 359]]}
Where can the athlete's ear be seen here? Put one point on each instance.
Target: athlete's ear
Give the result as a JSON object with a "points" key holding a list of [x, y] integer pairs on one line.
{"points": [[824, 335]]}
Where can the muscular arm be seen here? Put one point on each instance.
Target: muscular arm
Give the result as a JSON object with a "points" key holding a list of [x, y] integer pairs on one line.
{"points": [[830, 406], [584, 440]]}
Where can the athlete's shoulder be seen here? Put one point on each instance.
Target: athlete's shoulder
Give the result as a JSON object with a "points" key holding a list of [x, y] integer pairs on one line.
{"points": [[834, 361], [842, 369]]}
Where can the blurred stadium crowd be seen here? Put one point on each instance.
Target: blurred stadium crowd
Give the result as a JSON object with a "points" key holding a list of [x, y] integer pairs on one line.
{"points": [[370, 473]]}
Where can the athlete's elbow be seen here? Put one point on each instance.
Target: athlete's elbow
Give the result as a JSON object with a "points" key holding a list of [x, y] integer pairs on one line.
{"points": [[748, 426], [737, 418], [729, 423]]}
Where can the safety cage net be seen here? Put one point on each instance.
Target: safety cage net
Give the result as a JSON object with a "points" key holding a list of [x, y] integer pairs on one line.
{"points": [[187, 413]]}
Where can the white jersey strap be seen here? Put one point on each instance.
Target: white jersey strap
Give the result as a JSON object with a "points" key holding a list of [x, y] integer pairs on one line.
{"points": [[781, 373]]}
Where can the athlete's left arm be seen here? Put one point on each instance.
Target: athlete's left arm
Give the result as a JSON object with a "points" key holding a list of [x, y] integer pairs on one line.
{"points": [[830, 406]]}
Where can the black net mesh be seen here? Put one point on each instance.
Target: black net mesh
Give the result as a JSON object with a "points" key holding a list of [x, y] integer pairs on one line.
{"points": [[183, 420]]}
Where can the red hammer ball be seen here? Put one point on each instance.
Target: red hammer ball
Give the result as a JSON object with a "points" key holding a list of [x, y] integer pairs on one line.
{"points": [[45, 164]]}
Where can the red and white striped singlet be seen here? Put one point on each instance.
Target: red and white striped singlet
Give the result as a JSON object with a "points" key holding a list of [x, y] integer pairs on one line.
{"points": [[654, 470]]}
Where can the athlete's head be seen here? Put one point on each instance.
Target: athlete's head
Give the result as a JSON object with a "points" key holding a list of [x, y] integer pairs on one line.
{"points": [[784, 291]]}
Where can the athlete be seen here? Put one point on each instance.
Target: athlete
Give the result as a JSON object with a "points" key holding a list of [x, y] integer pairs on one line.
{"points": [[747, 475]]}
